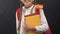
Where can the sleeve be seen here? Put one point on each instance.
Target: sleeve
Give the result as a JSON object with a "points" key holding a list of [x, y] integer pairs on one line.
{"points": [[44, 25], [18, 17], [16, 21]]}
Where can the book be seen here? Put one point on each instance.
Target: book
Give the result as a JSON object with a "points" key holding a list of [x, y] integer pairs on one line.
{"points": [[33, 20]]}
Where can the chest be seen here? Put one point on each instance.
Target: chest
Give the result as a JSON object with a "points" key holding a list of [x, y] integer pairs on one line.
{"points": [[28, 11], [31, 11]]}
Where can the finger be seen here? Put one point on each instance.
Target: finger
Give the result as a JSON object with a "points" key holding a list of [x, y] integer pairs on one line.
{"points": [[25, 28]]}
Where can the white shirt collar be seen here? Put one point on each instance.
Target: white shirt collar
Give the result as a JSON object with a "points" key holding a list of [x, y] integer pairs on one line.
{"points": [[28, 8]]}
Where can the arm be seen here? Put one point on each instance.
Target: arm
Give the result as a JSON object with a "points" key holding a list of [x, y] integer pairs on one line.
{"points": [[17, 17], [17, 21], [44, 25]]}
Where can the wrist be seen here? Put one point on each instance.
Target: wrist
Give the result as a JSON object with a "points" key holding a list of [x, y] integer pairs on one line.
{"points": [[32, 29]]}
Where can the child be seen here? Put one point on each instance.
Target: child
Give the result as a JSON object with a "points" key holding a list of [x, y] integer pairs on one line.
{"points": [[29, 8]]}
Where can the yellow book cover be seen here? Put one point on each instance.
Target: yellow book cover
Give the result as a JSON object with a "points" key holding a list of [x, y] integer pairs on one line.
{"points": [[33, 20]]}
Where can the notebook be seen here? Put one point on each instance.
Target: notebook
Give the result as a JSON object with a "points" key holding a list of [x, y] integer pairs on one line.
{"points": [[33, 20]]}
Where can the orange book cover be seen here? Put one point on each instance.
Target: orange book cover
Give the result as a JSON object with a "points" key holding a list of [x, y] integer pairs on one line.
{"points": [[33, 20]]}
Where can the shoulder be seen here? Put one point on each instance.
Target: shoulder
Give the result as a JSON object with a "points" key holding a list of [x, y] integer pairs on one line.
{"points": [[18, 11], [39, 6]]}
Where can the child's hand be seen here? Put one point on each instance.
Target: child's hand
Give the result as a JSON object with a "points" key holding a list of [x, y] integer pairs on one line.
{"points": [[28, 27]]}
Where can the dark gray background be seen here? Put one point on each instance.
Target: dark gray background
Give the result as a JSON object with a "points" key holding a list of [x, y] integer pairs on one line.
{"points": [[7, 16], [8, 9]]}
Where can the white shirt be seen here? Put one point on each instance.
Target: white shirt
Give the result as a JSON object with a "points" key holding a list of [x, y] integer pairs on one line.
{"points": [[42, 28]]}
